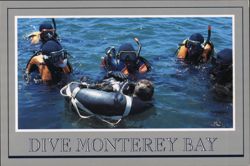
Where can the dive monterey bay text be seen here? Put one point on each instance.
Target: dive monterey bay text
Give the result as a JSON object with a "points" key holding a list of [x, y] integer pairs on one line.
{"points": [[122, 145]]}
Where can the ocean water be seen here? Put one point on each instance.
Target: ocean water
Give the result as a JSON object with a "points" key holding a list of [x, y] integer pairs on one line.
{"points": [[183, 95]]}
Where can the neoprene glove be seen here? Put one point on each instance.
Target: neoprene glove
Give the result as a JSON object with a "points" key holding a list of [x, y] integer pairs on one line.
{"points": [[119, 76]]}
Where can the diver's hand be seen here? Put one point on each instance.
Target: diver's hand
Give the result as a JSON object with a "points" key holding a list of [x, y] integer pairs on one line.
{"points": [[119, 76], [27, 77], [110, 51], [38, 81], [84, 79]]}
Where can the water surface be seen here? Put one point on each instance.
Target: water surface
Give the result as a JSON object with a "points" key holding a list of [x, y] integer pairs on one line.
{"points": [[183, 97]]}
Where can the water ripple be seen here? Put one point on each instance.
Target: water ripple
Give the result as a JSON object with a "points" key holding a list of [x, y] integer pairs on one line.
{"points": [[182, 93]]}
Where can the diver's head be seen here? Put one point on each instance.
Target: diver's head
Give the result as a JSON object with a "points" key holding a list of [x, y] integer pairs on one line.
{"points": [[128, 55], [194, 45], [54, 53], [224, 57], [222, 67], [47, 32], [223, 61], [197, 37], [144, 89]]}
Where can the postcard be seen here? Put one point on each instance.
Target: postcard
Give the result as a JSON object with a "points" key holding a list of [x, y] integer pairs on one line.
{"points": [[107, 81]]}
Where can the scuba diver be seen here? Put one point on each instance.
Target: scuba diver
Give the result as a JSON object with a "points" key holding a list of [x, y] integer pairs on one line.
{"points": [[127, 60], [221, 73], [112, 99], [195, 50], [51, 61]]}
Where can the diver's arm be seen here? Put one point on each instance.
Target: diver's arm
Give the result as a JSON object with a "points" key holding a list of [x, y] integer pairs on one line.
{"points": [[207, 51], [43, 69], [143, 69], [36, 60], [31, 63], [117, 75], [101, 86]]}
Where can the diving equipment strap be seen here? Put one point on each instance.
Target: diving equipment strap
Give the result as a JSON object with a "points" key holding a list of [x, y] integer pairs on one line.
{"points": [[128, 105], [76, 103], [123, 86], [65, 91]]}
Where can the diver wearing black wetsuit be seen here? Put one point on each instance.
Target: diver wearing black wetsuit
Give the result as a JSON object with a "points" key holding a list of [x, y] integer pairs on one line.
{"points": [[127, 60], [221, 73], [51, 61], [195, 49]]}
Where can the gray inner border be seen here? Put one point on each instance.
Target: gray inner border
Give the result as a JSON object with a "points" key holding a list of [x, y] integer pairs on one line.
{"points": [[125, 156]]}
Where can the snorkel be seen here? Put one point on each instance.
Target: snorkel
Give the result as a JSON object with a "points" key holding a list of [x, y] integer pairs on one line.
{"points": [[208, 34], [54, 27], [54, 24], [138, 54], [208, 47], [139, 45]]}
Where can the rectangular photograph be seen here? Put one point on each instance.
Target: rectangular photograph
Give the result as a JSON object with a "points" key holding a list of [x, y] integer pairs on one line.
{"points": [[125, 72]]}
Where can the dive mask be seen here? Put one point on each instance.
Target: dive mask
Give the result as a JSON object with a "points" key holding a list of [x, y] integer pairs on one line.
{"points": [[47, 34], [128, 56], [195, 49]]}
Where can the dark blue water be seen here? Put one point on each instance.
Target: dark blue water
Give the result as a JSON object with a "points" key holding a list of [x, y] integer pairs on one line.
{"points": [[183, 97]]}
